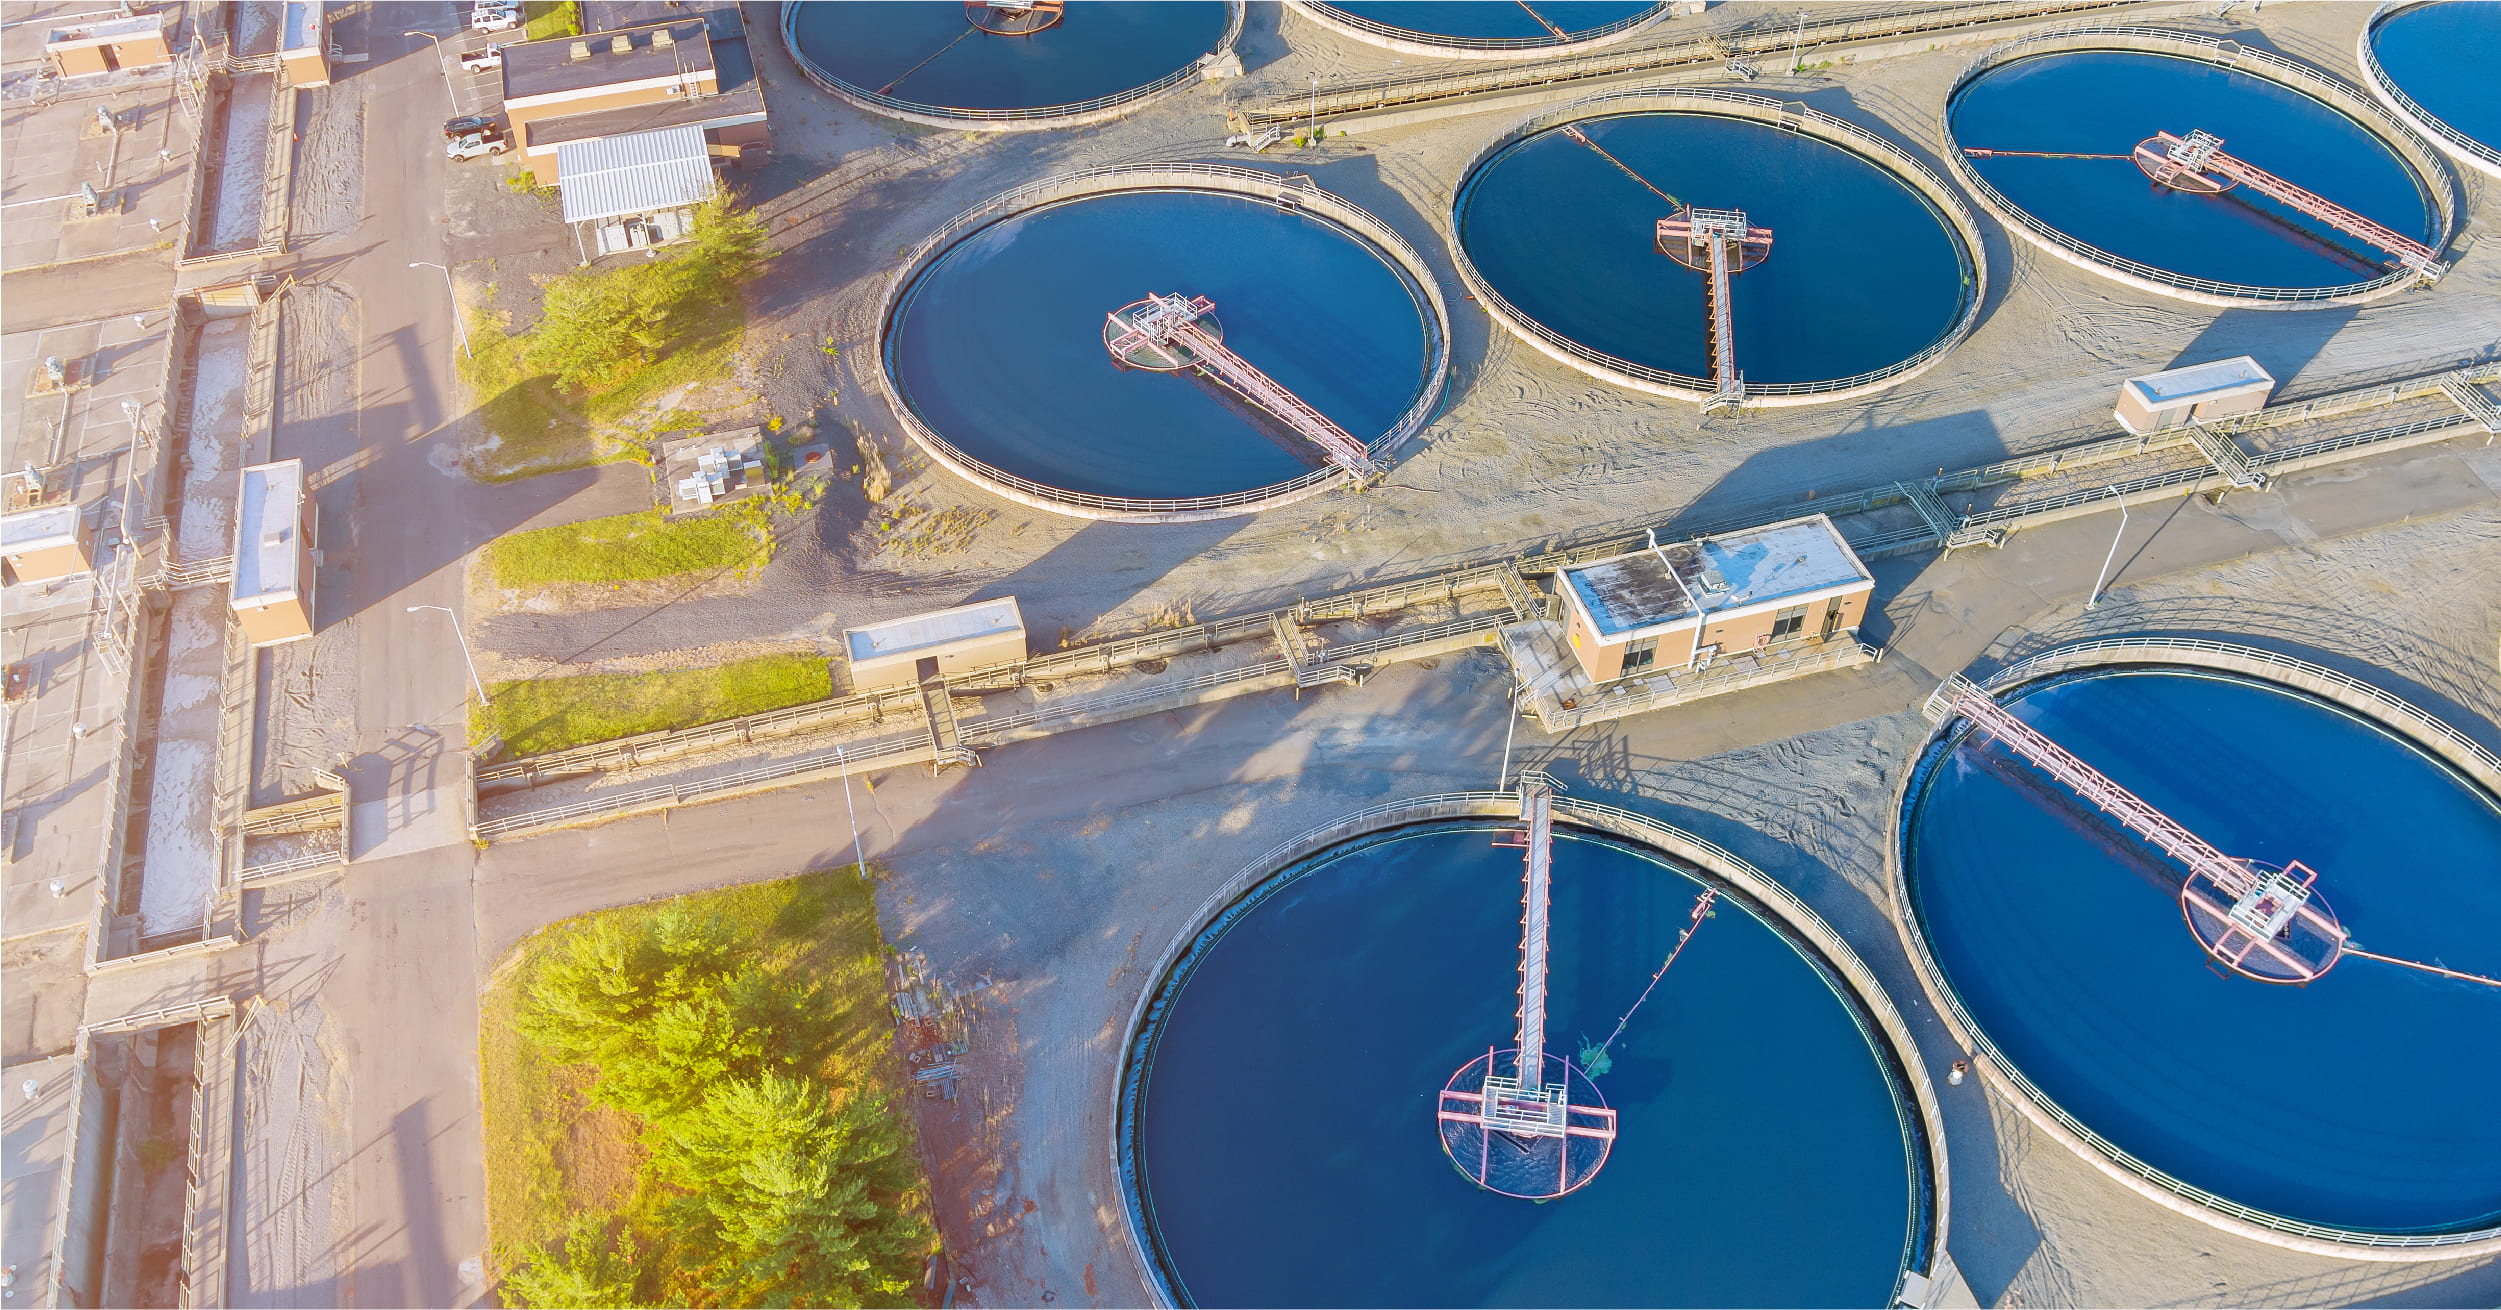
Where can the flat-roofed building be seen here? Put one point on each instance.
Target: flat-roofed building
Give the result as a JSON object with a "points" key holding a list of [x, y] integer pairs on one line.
{"points": [[1681, 604], [41, 544], [275, 524], [906, 652], [2201, 391], [103, 47], [693, 71], [304, 43]]}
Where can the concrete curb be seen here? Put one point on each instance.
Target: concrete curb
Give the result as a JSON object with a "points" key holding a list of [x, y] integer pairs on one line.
{"points": [[1764, 893], [2457, 145], [1265, 187], [2232, 56], [1787, 116], [2035, 1106], [1407, 43]]}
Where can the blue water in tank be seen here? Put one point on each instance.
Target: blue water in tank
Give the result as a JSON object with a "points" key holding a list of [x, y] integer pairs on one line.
{"points": [[1494, 19], [923, 51], [999, 343], [2364, 1100], [1863, 272], [2444, 57], [2098, 102], [1284, 1140]]}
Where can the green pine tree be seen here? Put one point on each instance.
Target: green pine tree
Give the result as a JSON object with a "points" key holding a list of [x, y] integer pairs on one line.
{"points": [[584, 1272], [800, 1201]]}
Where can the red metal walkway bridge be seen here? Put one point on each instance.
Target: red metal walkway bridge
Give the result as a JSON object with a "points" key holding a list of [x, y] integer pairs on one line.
{"points": [[1717, 243], [2258, 920], [1165, 333], [1517, 1133], [2196, 163]]}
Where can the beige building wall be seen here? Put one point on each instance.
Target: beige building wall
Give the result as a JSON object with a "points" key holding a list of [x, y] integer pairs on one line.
{"points": [[284, 618], [903, 668], [50, 562], [1823, 616], [306, 68]]}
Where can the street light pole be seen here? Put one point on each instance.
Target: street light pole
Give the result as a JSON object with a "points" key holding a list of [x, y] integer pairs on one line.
{"points": [[2096, 597], [463, 638], [1520, 693], [450, 95], [457, 326], [1315, 106]]}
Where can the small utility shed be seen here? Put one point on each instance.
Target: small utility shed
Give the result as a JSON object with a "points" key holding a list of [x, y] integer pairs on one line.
{"points": [[634, 191], [1683, 604], [2200, 391], [102, 47], [908, 651], [304, 43], [275, 523], [46, 543]]}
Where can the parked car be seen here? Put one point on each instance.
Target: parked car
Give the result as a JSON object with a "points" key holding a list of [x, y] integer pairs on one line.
{"points": [[483, 61], [459, 127], [470, 145], [486, 19]]}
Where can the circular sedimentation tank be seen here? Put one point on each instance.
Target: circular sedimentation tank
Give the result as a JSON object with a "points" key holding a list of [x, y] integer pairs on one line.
{"points": [[1474, 29], [2348, 1115], [2431, 65], [1776, 1137], [995, 354], [1006, 69], [1873, 270], [2047, 131]]}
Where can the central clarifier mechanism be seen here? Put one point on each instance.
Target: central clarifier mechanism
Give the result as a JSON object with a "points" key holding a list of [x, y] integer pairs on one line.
{"points": [[2259, 920], [1517, 1133], [1174, 334]]}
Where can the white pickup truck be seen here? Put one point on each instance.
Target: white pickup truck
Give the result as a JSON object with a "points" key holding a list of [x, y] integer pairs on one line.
{"points": [[470, 145], [483, 61]]}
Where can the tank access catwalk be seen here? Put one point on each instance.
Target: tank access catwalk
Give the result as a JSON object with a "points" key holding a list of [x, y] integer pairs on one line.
{"points": [[2257, 919], [2186, 163], [1171, 334], [1519, 1134]]}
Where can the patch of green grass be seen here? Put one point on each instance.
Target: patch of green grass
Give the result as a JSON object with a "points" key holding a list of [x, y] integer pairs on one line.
{"points": [[541, 19], [550, 1154], [702, 351], [531, 429], [629, 548], [550, 714]]}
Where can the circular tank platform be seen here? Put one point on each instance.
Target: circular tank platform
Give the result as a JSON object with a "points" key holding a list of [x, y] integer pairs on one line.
{"points": [[994, 340], [2431, 65], [1871, 274], [954, 65], [2045, 130], [1477, 29], [1775, 1139], [2348, 1115]]}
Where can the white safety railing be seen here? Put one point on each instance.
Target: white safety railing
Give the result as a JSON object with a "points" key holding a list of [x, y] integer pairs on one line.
{"points": [[2232, 55], [1330, 15], [1063, 115], [2366, 51], [2196, 652], [1861, 994], [1180, 176], [1788, 116]]}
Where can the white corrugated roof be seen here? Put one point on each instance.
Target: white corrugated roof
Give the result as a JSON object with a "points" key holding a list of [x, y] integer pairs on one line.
{"points": [[633, 174]]}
